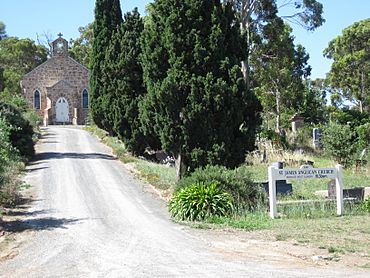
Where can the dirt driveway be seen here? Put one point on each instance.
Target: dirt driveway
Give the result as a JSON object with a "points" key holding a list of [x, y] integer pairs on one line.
{"points": [[89, 218]]}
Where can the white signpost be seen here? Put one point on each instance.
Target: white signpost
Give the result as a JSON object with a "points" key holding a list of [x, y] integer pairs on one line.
{"points": [[305, 172]]}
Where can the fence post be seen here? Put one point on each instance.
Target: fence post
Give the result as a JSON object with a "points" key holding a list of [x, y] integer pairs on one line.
{"points": [[339, 189], [272, 192]]}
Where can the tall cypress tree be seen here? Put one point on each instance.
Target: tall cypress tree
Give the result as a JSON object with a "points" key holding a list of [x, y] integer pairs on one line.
{"points": [[108, 18], [127, 83], [197, 101]]}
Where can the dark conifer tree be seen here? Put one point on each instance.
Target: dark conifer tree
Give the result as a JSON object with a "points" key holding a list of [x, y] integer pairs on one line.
{"points": [[108, 19], [126, 86], [197, 102]]}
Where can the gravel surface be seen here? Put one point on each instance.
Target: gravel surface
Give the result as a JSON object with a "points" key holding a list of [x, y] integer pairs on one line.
{"points": [[90, 218]]}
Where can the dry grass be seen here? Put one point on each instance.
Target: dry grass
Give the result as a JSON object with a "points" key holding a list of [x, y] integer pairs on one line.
{"points": [[268, 153], [346, 234]]}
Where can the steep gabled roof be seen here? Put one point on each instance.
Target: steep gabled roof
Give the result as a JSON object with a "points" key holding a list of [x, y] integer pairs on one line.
{"points": [[54, 59]]}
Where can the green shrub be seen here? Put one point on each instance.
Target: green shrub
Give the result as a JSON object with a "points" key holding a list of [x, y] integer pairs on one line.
{"points": [[275, 137], [302, 139], [363, 133], [5, 146], [365, 205], [21, 132], [9, 186], [340, 143], [238, 183], [200, 201]]}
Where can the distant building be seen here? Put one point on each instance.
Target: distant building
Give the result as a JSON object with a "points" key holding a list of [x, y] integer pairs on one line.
{"points": [[58, 88]]}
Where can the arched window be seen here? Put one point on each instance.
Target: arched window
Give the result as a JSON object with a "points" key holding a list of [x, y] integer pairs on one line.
{"points": [[85, 99], [37, 100]]}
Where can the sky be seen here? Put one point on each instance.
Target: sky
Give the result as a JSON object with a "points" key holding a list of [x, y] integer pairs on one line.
{"points": [[35, 18]]}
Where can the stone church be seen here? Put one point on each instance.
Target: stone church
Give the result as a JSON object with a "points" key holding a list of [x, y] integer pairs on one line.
{"points": [[58, 88]]}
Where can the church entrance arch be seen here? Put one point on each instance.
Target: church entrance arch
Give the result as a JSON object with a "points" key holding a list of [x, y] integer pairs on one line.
{"points": [[62, 110]]}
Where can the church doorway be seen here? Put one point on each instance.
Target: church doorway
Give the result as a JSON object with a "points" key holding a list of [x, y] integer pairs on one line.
{"points": [[62, 111]]}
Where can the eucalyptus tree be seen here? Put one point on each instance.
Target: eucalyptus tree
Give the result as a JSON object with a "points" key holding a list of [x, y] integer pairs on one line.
{"points": [[278, 69], [18, 57], [81, 47], [349, 75], [254, 14], [2, 30]]}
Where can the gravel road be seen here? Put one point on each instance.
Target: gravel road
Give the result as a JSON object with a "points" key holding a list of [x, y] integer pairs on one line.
{"points": [[90, 218]]}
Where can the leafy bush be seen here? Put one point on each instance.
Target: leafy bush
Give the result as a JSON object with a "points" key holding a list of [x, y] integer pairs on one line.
{"points": [[9, 185], [275, 137], [363, 133], [238, 183], [5, 146], [365, 205], [200, 201], [21, 132], [353, 116], [8, 167], [340, 143], [301, 139]]}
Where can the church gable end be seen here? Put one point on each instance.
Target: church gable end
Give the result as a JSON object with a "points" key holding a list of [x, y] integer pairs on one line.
{"points": [[59, 77]]}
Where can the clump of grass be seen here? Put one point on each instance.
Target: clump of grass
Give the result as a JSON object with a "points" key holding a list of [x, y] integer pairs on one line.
{"points": [[367, 266], [334, 249], [96, 131], [281, 237], [160, 176], [316, 208], [365, 205], [200, 201]]}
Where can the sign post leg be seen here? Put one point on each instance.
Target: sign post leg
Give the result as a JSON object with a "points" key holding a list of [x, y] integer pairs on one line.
{"points": [[272, 193], [339, 189]]}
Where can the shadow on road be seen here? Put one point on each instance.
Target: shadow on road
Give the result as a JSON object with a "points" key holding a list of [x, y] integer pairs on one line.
{"points": [[30, 170], [56, 155], [50, 142], [23, 212], [38, 224]]}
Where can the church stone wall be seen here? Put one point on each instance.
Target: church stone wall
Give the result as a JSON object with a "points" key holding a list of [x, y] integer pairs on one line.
{"points": [[60, 76]]}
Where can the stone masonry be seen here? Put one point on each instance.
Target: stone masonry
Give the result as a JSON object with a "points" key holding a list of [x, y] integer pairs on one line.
{"points": [[60, 76]]}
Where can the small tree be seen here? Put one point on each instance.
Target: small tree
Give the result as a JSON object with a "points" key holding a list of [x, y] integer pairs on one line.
{"points": [[339, 142]]}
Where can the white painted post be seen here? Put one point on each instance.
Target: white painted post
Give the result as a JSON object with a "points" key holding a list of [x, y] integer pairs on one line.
{"points": [[339, 189], [272, 192]]}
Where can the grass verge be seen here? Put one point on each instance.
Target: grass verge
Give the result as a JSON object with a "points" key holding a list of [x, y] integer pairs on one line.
{"points": [[160, 176], [313, 223]]}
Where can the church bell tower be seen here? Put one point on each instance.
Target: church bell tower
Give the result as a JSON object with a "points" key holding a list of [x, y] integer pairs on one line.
{"points": [[59, 47]]}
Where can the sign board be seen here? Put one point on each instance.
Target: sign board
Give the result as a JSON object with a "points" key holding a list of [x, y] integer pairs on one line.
{"points": [[310, 173], [305, 172]]}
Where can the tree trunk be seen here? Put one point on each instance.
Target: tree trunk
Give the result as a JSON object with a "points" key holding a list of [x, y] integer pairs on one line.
{"points": [[245, 28], [362, 93], [179, 166], [277, 96], [245, 72]]}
